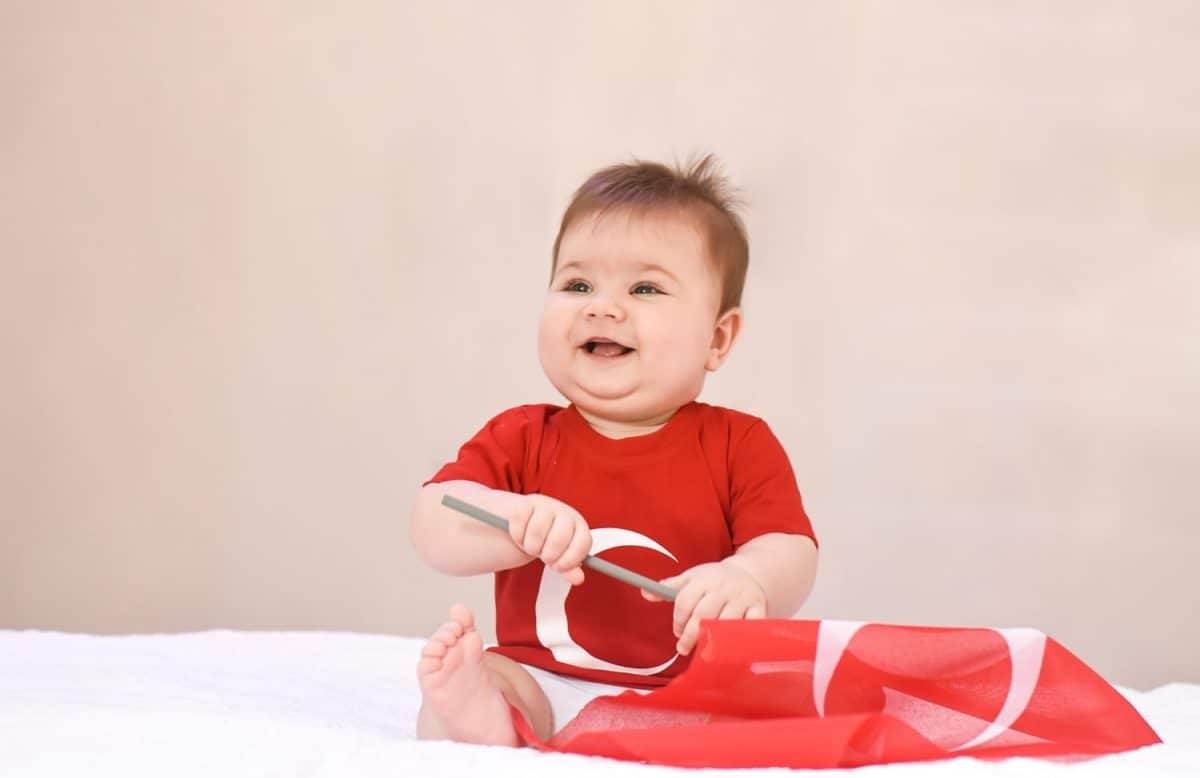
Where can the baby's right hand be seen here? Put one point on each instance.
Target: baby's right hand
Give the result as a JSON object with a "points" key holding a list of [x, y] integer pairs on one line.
{"points": [[550, 530]]}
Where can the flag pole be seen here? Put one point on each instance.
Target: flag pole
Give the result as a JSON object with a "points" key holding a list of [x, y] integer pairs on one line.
{"points": [[592, 562]]}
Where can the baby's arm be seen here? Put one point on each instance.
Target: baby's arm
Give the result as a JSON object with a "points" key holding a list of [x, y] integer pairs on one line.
{"points": [[540, 527], [783, 565], [769, 576]]}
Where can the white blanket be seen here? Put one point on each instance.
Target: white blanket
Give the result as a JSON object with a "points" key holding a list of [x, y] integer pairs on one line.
{"points": [[337, 704]]}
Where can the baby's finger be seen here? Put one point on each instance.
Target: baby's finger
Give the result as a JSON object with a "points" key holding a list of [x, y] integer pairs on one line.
{"points": [[557, 541], [732, 610], [685, 603], [516, 527], [708, 607], [536, 530], [756, 612], [581, 544], [574, 575], [674, 582]]}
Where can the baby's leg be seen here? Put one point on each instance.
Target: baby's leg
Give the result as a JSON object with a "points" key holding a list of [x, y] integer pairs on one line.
{"points": [[466, 692]]}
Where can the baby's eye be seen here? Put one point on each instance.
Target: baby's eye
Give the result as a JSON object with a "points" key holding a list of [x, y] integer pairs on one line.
{"points": [[577, 286], [646, 290]]}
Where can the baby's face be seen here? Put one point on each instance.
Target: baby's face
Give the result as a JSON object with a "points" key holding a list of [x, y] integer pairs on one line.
{"points": [[628, 328]]}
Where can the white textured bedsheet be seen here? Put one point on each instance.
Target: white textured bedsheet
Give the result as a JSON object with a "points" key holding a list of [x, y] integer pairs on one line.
{"points": [[336, 704]]}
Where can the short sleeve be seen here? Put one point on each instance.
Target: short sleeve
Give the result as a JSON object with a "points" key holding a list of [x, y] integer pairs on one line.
{"points": [[763, 493], [495, 456]]}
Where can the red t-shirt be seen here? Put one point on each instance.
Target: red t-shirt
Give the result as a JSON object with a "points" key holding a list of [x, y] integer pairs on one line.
{"points": [[688, 493]]}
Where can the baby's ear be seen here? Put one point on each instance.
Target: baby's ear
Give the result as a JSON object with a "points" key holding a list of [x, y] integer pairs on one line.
{"points": [[725, 332]]}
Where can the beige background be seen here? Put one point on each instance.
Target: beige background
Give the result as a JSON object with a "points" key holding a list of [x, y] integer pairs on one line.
{"points": [[265, 268]]}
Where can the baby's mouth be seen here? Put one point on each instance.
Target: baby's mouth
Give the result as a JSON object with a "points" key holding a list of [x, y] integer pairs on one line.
{"points": [[602, 347]]}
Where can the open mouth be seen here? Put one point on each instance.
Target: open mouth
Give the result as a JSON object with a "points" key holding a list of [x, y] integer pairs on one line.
{"points": [[603, 347]]}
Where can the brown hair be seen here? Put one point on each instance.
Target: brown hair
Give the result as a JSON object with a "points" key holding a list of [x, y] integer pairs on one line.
{"points": [[697, 189]]}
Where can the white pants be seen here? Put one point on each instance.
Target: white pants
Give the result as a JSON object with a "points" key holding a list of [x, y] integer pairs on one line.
{"points": [[567, 695]]}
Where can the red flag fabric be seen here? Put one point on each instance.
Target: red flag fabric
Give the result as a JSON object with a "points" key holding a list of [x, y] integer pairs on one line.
{"points": [[809, 694]]}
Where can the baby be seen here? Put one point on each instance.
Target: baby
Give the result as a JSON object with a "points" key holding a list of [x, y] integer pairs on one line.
{"points": [[644, 297]]}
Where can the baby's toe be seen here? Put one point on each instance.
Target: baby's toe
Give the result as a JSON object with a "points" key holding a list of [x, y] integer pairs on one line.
{"points": [[461, 615], [472, 647], [428, 665], [435, 648], [448, 634]]}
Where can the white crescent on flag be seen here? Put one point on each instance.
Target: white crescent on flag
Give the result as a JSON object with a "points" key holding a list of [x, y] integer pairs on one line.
{"points": [[832, 639], [1026, 648]]}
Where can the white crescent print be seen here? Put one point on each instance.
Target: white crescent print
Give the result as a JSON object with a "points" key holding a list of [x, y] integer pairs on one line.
{"points": [[551, 607], [832, 639], [1025, 648]]}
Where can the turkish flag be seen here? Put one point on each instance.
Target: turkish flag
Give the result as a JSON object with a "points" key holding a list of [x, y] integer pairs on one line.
{"points": [[843, 694]]}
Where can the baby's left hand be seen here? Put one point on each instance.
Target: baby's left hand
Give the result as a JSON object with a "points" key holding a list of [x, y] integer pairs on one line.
{"points": [[717, 590]]}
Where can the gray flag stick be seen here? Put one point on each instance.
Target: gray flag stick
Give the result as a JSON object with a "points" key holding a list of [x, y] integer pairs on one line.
{"points": [[595, 563]]}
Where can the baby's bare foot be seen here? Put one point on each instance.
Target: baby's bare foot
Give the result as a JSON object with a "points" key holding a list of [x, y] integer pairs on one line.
{"points": [[460, 702]]}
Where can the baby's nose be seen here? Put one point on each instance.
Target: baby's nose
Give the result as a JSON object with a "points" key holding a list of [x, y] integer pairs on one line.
{"points": [[606, 307], [594, 313]]}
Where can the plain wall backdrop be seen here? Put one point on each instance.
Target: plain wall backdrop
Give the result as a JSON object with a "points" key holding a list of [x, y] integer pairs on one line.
{"points": [[267, 265]]}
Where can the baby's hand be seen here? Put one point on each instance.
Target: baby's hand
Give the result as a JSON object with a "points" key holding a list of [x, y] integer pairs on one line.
{"points": [[550, 530], [717, 590]]}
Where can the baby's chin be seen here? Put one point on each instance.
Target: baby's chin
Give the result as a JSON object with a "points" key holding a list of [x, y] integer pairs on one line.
{"points": [[630, 408], [626, 402]]}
